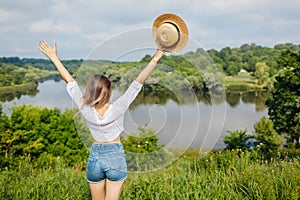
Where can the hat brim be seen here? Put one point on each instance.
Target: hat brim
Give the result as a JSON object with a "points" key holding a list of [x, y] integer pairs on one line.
{"points": [[180, 24]]}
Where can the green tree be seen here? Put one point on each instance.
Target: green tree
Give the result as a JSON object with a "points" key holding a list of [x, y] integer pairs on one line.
{"points": [[232, 69], [267, 140], [65, 141], [238, 139], [4, 124], [262, 73], [4, 136], [41, 133], [284, 101], [147, 58]]}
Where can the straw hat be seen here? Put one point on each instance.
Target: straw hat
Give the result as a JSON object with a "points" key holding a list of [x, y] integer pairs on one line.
{"points": [[170, 31]]}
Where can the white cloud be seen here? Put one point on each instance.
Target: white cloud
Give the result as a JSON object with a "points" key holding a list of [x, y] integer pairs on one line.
{"points": [[214, 23], [21, 50], [4, 15], [49, 26]]}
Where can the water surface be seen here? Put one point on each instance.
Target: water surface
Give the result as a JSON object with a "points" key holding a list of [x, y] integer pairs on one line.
{"points": [[195, 125]]}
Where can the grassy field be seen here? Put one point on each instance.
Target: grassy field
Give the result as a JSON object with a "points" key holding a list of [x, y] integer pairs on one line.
{"points": [[219, 175], [241, 82]]}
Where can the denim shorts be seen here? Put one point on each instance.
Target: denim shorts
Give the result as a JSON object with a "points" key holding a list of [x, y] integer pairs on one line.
{"points": [[106, 161]]}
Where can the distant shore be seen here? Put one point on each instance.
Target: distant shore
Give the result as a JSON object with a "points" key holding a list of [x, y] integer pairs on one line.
{"points": [[27, 85]]}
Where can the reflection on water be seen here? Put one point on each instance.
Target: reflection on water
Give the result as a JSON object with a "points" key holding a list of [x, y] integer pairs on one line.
{"points": [[258, 98], [29, 89], [161, 97], [194, 123], [50, 93], [11, 94]]}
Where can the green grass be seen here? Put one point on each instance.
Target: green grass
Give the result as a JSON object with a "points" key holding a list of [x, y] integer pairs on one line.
{"points": [[219, 175], [51, 183], [241, 82]]}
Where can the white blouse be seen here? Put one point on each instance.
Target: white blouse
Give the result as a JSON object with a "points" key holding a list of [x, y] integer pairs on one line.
{"points": [[108, 127]]}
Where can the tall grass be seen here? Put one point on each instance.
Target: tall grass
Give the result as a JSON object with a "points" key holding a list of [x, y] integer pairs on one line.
{"points": [[229, 175], [218, 175], [59, 182]]}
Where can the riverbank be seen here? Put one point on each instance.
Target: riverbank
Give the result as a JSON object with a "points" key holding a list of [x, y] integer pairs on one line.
{"points": [[34, 77], [242, 83], [20, 87], [8, 93]]}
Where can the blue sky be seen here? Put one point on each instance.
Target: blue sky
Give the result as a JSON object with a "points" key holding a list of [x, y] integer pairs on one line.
{"points": [[79, 26]]}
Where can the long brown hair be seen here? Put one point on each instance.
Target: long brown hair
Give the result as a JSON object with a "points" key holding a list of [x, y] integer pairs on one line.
{"points": [[98, 91]]}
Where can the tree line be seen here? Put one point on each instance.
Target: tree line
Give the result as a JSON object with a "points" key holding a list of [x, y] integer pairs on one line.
{"points": [[198, 70], [13, 75]]}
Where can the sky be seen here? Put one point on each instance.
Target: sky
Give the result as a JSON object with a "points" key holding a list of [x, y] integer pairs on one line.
{"points": [[83, 27]]}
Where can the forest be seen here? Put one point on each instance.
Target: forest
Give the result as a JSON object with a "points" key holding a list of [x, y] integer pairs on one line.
{"points": [[249, 67]]}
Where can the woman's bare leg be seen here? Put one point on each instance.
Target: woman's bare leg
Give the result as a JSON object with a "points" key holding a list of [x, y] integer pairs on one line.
{"points": [[113, 189], [98, 190]]}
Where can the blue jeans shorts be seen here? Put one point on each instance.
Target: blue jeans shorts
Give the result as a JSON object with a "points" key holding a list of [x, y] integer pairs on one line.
{"points": [[106, 161]]}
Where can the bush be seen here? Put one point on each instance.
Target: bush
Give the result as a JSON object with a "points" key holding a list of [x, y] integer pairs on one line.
{"points": [[237, 139], [41, 133], [143, 153], [267, 140]]}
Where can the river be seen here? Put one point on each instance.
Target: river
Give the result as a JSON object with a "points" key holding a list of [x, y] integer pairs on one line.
{"points": [[196, 125]]}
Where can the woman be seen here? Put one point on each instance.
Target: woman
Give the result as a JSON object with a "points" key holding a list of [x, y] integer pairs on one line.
{"points": [[106, 169]]}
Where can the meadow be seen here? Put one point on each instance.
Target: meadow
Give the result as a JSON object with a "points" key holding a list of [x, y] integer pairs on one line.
{"points": [[230, 174]]}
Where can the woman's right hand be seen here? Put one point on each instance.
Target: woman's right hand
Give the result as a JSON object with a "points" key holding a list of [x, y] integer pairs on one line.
{"points": [[145, 73], [159, 53], [45, 48]]}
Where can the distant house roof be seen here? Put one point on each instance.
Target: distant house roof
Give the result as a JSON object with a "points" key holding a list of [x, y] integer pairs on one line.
{"points": [[243, 71]]}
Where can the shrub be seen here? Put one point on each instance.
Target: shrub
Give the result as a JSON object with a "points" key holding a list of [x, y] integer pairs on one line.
{"points": [[237, 139], [143, 153], [267, 140]]}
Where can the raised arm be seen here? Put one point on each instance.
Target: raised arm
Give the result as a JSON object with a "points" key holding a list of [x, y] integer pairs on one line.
{"points": [[151, 65], [51, 53]]}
